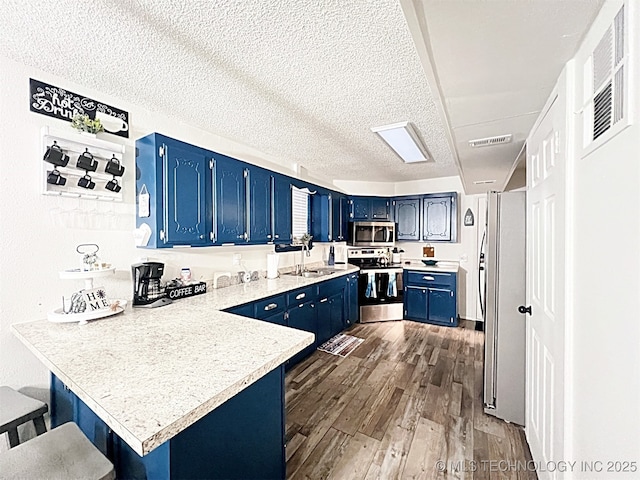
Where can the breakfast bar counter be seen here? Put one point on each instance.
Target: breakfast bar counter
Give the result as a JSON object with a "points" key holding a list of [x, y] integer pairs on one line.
{"points": [[181, 384]]}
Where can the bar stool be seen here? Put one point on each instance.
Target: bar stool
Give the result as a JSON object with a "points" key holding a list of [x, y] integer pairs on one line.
{"points": [[16, 409], [60, 454]]}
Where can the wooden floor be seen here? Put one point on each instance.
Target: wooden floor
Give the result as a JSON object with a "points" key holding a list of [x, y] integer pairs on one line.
{"points": [[408, 397]]}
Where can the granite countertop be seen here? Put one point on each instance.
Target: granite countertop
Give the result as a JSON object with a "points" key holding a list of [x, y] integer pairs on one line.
{"points": [[149, 374], [442, 266]]}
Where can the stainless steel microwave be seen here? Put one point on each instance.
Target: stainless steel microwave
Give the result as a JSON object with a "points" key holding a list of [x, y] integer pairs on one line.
{"points": [[372, 234]]}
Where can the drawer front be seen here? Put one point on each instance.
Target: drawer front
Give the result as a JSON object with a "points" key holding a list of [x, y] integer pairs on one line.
{"points": [[270, 306], [415, 277], [302, 295]]}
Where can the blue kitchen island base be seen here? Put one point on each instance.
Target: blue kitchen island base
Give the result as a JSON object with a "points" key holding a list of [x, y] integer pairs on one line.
{"points": [[242, 438]]}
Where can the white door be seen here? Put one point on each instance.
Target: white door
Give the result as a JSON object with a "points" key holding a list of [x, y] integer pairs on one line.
{"points": [[546, 158]]}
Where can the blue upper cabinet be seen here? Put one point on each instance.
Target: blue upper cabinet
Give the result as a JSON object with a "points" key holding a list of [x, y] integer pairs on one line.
{"points": [[340, 216], [281, 209], [440, 218], [407, 216], [321, 216], [360, 209], [230, 200], [370, 209], [260, 205], [178, 179], [379, 208]]}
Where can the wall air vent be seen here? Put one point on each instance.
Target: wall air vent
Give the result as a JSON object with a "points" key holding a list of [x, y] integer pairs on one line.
{"points": [[489, 141], [605, 86], [483, 182]]}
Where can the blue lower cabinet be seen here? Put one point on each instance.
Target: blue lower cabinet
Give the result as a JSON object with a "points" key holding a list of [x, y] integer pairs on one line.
{"points": [[303, 316], [431, 297], [242, 438], [416, 303], [336, 312], [63, 403], [324, 320], [352, 310]]}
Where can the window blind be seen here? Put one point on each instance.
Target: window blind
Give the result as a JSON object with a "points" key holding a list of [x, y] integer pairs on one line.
{"points": [[299, 212]]}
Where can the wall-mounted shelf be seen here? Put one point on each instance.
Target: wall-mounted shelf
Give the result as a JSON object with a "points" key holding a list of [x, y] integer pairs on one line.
{"points": [[74, 144]]}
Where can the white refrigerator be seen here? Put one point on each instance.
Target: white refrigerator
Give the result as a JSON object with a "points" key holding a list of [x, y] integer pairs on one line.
{"points": [[502, 271]]}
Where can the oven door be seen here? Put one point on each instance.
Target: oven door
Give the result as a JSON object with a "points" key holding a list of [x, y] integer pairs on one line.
{"points": [[380, 294]]}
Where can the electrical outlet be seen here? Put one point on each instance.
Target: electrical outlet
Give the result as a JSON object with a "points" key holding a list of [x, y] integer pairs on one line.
{"points": [[236, 258], [464, 258]]}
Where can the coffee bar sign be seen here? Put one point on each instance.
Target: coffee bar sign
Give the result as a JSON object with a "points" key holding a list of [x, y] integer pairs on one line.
{"points": [[59, 103]]}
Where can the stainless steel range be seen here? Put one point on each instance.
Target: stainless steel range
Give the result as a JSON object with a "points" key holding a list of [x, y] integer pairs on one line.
{"points": [[380, 288]]}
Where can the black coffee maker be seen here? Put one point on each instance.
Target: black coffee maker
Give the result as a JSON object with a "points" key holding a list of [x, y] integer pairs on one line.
{"points": [[147, 291]]}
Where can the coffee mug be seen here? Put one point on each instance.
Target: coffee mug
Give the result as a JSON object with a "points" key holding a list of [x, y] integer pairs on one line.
{"points": [[111, 123], [56, 156], [54, 178], [113, 186], [87, 162], [114, 168], [86, 182]]}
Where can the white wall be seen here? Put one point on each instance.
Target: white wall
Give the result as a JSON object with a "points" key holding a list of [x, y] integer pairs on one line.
{"points": [[39, 233], [604, 341], [465, 250]]}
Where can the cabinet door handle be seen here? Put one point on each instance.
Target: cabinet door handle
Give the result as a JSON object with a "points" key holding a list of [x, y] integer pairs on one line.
{"points": [[268, 236], [271, 306], [277, 236], [428, 278], [300, 295], [324, 300]]}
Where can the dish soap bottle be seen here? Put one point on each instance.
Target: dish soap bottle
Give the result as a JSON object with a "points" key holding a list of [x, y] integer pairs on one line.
{"points": [[332, 256]]}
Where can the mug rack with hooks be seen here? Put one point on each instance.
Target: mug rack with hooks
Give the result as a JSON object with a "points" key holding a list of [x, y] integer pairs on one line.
{"points": [[81, 166]]}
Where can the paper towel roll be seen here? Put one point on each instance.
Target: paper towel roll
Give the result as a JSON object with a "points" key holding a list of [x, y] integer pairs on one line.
{"points": [[272, 265]]}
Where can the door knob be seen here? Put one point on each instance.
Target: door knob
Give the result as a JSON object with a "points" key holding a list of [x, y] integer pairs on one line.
{"points": [[522, 309]]}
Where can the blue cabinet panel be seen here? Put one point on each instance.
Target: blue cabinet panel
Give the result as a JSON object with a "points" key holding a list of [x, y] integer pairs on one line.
{"points": [[260, 199], [230, 200], [321, 213], [352, 310], [415, 303], [215, 447], [324, 320], [360, 208], [281, 209], [187, 220], [178, 178], [303, 316], [407, 217], [439, 217], [442, 305], [379, 209]]}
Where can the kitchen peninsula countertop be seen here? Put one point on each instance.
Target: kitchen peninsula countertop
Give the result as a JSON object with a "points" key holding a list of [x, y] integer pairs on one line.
{"points": [[445, 267], [151, 373]]}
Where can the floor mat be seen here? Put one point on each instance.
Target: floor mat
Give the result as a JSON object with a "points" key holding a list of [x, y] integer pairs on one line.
{"points": [[341, 345]]}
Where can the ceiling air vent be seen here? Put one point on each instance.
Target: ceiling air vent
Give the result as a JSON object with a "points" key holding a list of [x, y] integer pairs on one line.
{"points": [[489, 141], [483, 182]]}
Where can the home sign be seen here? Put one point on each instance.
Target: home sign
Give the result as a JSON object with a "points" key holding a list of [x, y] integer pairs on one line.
{"points": [[59, 103]]}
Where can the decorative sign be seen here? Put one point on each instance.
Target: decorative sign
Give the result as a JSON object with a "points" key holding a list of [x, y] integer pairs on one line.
{"points": [[96, 299], [185, 291], [468, 218], [59, 103]]}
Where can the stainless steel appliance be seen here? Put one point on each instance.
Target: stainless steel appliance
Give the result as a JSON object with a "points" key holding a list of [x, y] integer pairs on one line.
{"points": [[380, 288], [502, 271], [372, 234], [147, 290]]}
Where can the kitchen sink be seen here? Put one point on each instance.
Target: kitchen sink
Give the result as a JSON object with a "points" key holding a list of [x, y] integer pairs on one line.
{"points": [[312, 273]]}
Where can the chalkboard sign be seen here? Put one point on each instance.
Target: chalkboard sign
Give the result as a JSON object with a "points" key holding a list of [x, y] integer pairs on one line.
{"points": [[59, 103]]}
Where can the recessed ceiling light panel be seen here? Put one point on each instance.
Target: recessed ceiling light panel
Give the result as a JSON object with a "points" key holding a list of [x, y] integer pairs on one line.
{"points": [[403, 139], [490, 141]]}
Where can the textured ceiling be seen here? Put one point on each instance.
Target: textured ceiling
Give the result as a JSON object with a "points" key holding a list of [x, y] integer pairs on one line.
{"points": [[304, 80]]}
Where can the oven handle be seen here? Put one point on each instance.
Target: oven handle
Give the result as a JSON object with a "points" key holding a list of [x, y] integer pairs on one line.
{"points": [[382, 270]]}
